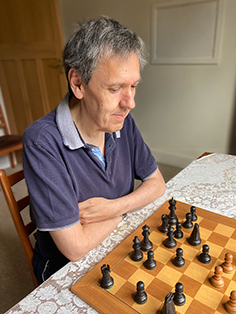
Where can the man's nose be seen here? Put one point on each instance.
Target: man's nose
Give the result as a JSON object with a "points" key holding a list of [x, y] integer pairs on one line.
{"points": [[128, 100]]}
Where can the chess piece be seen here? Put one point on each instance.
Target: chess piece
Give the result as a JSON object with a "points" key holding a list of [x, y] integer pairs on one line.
{"points": [[170, 242], [230, 305], [146, 244], [194, 239], [179, 261], [228, 266], [188, 222], [136, 255], [179, 297], [178, 234], [168, 307], [172, 218], [193, 213], [217, 280], [107, 281], [164, 226], [140, 295], [204, 257], [150, 263]]}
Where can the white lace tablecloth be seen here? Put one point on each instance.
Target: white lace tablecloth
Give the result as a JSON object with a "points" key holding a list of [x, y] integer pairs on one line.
{"points": [[209, 183]]}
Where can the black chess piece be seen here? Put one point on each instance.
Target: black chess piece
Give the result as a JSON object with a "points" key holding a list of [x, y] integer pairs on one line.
{"points": [[188, 222], [170, 242], [168, 307], [172, 218], [193, 213], [178, 233], [179, 261], [107, 281], [140, 295], [150, 263], [136, 255], [146, 244], [205, 257], [179, 297], [164, 226], [194, 239]]}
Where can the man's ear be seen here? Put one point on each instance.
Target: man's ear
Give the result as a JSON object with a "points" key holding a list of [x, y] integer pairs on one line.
{"points": [[76, 83]]}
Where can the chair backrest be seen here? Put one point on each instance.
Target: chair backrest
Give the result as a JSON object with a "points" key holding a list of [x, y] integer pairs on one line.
{"points": [[3, 122], [15, 208]]}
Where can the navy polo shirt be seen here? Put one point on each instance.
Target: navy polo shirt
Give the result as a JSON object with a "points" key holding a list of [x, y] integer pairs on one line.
{"points": [[61, 171]]}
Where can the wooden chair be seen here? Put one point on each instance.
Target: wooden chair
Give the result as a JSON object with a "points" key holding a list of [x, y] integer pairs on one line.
{"points": [[15, 208], [9, 143]]}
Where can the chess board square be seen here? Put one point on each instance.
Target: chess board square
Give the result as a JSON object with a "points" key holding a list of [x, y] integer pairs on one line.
{"points": [[234, 234], [231, 286], [209, 296], [197, 272], [231, 244], [150, 306], [118, 283], [204, 233], [163, 255], [221, 309], [218, 239], [189, 252], [191, 286], [197, 307], [215, 250], [126, 292], [169, 275], [130, 261], [125, 269], [157, 237], [141, 275], [224, 230], [158, 289], [208, 224]]}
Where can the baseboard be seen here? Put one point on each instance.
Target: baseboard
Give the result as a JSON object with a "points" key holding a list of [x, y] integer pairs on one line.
{"points": [[172, 159]]}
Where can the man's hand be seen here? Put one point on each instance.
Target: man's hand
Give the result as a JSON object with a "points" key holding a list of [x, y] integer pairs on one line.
{"points": [[96, 209]]}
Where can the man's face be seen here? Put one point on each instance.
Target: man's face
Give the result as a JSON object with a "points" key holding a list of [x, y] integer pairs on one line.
{"points": [[109, 96]]}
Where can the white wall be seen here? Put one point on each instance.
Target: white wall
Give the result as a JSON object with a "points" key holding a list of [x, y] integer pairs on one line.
{"points": [[181, 110]]}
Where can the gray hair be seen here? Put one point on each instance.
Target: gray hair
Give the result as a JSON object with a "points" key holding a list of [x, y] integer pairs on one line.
{"points": [[97, 40]]}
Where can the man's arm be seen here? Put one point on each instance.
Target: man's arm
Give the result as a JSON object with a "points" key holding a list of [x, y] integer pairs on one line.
{"points": [[76, 241], [99, 209]]}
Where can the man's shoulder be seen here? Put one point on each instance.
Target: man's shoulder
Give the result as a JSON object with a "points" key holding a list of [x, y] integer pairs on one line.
{"points": [[40, 129]]}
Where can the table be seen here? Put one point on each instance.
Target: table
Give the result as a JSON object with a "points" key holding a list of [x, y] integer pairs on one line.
{"points": [[208, 182]]}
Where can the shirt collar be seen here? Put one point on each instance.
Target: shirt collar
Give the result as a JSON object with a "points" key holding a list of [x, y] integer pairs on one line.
{"points": [[66, 126]]}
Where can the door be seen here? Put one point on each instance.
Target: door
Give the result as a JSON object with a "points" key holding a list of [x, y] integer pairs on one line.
{"points": [[31, 44]]}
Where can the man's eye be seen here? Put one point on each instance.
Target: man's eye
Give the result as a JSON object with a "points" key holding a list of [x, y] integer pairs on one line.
{"points": [[134, 86], [114, 90]]}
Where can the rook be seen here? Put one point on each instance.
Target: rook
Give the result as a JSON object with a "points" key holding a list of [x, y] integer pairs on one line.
{"points": [[107, 281]]}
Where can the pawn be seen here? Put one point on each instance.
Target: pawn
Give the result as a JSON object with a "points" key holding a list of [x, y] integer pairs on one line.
{"points": [[107, 281], [170, 242], [146, 244], [168, 307], [188, 222], [140, 295], [204, 257], [230, 305], [136, 255], [217, 280], [228, 266], [150, 263], [164, 226], [194, 239], [193, 213], [178, 234], [179, 297], [179, 261]]}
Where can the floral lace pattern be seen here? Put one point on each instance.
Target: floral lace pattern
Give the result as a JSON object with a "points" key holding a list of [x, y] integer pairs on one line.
{"points": [[209, 183]]}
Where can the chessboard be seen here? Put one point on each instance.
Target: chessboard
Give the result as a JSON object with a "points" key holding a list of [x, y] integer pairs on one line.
{"points": [[218, 232]]}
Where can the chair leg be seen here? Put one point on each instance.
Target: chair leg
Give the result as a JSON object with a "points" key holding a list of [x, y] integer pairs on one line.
{"points": [[12, 160]]}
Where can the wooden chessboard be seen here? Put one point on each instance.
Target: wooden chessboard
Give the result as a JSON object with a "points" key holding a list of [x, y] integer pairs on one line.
{"points": [[217, 231]]}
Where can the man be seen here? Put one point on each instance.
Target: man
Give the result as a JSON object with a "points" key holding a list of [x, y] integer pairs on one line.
{"points": [[80, 161]]}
